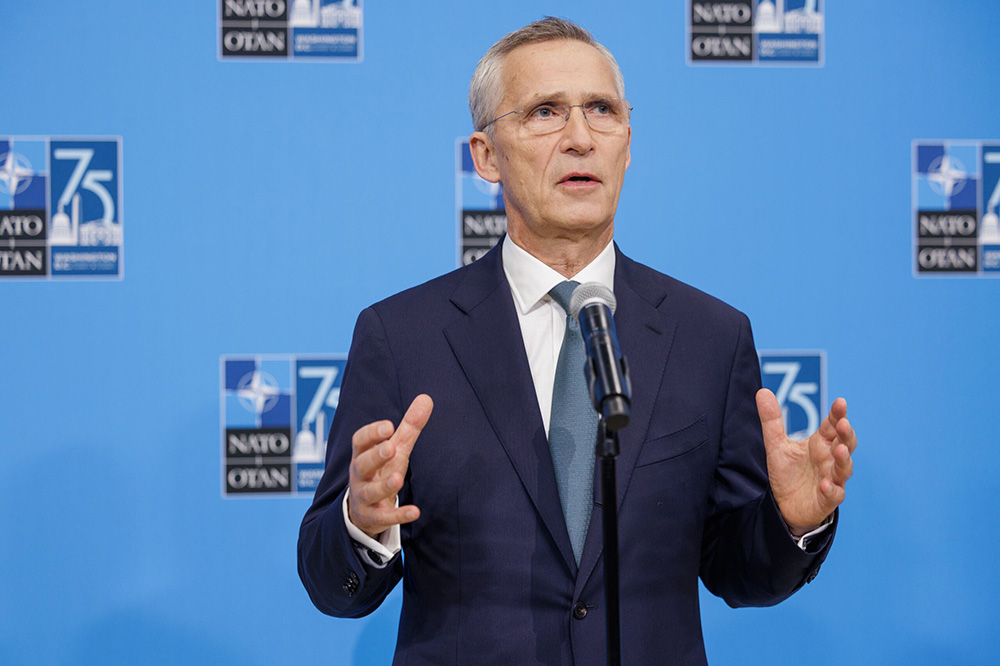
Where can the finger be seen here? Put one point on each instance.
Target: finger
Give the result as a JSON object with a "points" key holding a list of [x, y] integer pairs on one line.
{"points": [[375, 520], [838, 411], [413, 423], [843, 464], [386, 518], [367, 436], [372, 492], [833, 494], [846, 434], [366, 465], [771, 422]]}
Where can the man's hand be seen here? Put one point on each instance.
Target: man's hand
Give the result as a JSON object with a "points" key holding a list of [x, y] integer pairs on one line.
{"points": [[807, 477], [378, 466]]}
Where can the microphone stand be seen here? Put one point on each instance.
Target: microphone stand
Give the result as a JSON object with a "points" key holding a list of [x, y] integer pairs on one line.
{"points": [[607, 451], [610, 393]]}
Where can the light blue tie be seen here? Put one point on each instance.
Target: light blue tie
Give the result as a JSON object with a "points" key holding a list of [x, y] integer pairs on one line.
{"points": [[572, 427]]}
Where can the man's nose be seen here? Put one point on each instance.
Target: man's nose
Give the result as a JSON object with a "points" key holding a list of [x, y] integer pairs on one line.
{"points": [[577, 135]]}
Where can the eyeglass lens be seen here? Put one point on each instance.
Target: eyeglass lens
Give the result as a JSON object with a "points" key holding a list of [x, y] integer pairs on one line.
{"points": [[602, 116]]}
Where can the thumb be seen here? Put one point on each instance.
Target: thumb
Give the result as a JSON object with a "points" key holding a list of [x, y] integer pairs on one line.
{"points": [[771, 422]]}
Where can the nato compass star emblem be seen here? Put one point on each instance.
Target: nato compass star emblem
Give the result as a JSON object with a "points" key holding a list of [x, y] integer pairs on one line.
{"points": [[258, 391], [15, 173], [947, 176]]}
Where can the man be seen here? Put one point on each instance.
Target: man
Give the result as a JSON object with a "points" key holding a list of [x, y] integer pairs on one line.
{"points": [[502, 543]]}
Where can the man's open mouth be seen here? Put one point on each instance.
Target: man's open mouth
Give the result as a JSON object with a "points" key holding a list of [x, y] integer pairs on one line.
{"points": [[579, 178]]}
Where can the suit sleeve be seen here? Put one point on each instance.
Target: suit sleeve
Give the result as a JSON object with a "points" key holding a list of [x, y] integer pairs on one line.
{"points": [[748, 556], [339, 583]]}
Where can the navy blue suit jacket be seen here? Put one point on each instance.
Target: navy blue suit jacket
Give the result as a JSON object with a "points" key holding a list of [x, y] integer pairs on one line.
{"points": [[488, 572]]}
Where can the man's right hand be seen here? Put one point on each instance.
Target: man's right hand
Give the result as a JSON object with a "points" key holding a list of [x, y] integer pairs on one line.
{"points": [[378, 466]]}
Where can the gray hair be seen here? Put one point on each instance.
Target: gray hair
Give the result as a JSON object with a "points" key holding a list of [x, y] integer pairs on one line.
{"points": [[486, 88]]}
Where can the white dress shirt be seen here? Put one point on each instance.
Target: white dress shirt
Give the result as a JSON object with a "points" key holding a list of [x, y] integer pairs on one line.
{"points": [[542, 320], [543, 324]]}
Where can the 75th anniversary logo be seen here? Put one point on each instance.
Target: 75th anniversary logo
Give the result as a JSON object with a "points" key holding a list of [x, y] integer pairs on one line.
{"points": [[798, 381], [276, 414], [61, 208], [328, 30], [955, 199], [755, 32]]}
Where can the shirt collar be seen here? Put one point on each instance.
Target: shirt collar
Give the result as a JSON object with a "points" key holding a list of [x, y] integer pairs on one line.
{"points": [[531, 280]]}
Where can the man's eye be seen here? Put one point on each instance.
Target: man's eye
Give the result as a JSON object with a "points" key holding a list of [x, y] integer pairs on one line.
{"points": [[543, 113], [600, 108]]}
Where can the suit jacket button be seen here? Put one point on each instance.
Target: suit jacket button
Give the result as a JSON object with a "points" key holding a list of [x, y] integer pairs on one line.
{"points": [[580, 611], [812, 575]]}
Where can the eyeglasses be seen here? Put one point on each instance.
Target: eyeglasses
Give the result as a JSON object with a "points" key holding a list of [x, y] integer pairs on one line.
{"points": [[602, 115]]}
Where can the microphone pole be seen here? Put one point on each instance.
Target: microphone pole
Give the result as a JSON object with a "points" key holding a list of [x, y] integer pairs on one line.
{"points": [[611, 394]]}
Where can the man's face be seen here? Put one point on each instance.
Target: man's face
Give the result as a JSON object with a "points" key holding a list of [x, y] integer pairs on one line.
{"points": [[565, 184]]}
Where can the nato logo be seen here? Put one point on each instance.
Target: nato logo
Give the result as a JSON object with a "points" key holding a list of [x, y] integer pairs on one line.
{"points": [[60, 208], [478, 208], [989, 202], [798, 381], [276, 414], [756, 32], [316, 30], [955, 199]]}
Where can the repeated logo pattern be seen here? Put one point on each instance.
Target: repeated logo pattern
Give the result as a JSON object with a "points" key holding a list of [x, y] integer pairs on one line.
{"points": [[60, 208], [956, 196], [798, 380], [276, 415], [478, 208], [756, 32], [330, 30]]}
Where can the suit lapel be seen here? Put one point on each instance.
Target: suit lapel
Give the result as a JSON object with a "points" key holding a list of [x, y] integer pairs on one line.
{"points": [[645, 334], [488, 345]]}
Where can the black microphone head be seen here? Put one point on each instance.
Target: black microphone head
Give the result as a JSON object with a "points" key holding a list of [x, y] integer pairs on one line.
{"points": [[591, 292], [616, 412]]}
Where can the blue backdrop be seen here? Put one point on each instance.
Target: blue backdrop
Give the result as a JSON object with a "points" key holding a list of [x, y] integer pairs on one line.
{"points": [[266, 203]]}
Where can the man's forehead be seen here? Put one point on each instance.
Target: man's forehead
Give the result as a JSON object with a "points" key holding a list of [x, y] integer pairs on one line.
{"points": [[558, 68], [568, 96]]}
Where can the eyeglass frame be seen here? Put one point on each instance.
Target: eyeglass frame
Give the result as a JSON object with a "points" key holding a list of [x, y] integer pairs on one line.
{"points": [[569, 110]]}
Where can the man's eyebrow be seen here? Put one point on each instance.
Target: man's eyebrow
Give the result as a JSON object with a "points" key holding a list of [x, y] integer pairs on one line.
{"points": [[557, 96], [563, 96]]}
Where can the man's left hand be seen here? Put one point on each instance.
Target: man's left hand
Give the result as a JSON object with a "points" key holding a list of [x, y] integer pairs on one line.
{"points": [[807, 477]]}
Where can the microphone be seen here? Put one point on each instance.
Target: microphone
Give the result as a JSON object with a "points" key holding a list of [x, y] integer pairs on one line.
{"points": [[606, 371]]}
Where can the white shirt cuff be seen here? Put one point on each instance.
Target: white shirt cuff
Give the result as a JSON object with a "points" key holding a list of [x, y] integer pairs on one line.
{"points": [[802, 541], [374, 552]]}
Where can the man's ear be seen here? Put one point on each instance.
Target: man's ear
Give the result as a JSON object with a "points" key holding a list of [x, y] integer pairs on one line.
{"points": [[628, 148], [484, 156]]}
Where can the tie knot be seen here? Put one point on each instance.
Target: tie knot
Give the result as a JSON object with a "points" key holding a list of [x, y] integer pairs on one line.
{"points": [[563, 292]]}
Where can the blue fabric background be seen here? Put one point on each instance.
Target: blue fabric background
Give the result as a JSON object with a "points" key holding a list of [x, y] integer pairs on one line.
{"points": [[266, 203]]}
